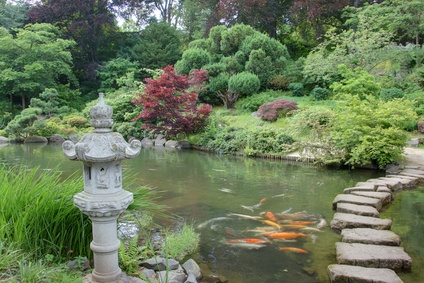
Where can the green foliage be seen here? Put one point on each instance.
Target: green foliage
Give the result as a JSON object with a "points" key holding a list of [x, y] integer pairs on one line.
{"points": [[181, 243], [35, 59], [417, 99], [130, 254], [193, 58], [320, 93], [112, 71], [260, 65], [13, 14], [244, 83], [296, 89], [391, 93], [371, 131], [253, 102], [48, 103], [22, 124], [356, 82], [267, 140]]}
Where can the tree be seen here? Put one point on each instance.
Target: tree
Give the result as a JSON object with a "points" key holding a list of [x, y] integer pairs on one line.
{"points": [[89, 23], [366, 131], [157, 46], [170, 103], [36, 59], [48, 103], [13, 13]]}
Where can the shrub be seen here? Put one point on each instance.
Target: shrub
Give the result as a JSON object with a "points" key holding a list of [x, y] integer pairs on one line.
{"points": [[279, 82], [391, 93], [267, 140], [244, 83], [273, 110], [312, 122], [76, 121], [252, 103], [417, 99], [320, 93], [296, 88], [193, 58]]}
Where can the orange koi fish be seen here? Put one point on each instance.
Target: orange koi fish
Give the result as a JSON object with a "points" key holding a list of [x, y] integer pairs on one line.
{"points": [[263, 200], [249, 241], [286, 235], [303, 222], [294, 226], [271, 216], [291, 249]]}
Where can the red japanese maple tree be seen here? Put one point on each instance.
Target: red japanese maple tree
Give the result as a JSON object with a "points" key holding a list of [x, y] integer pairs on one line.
{"points": [[170, 103]]}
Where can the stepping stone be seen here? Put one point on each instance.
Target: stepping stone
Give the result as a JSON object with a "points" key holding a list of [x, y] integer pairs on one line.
{"points": [[370, 236], [385, 189], [413, 171], [373, 183], [346, 220], [384, 197], [406, 181], [364, 210], [349, 198], [392, 184], [365, 188], [341, 273], [375, 256]]}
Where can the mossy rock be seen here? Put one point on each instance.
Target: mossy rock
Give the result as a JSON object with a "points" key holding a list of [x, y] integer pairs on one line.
{"points": [[36, 139]]}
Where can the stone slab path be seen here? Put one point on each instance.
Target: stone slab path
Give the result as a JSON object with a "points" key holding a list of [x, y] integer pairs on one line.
{"points": [[368, 251]]}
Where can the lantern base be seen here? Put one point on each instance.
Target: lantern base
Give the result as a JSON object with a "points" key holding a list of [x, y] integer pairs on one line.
{"points": [[123, 279]]}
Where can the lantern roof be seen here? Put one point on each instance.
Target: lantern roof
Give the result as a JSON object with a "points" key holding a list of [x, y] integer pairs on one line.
{"points": [[101, 145]]}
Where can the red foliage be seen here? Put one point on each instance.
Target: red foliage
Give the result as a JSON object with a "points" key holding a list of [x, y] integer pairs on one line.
{"points": [[316, 9], [273, 110], [170, 103]]}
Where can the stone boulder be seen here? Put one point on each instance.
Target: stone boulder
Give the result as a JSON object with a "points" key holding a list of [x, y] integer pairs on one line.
{"points": [[171, 144], [160, 140], [160, 263], [191, 267], [4, 139], [146, 142], [55, 138], [36, 139]]}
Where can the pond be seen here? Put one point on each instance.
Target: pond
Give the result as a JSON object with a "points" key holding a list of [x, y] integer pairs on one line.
{"points": [[208, 190]]}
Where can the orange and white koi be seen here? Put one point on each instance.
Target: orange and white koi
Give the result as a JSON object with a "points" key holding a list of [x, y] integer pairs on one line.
{"points": [[249, 240], [286, 235], [271, 216], [296, 250]]}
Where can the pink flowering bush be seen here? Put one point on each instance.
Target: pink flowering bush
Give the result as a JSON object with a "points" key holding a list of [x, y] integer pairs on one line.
{"points": [[273, 110]]}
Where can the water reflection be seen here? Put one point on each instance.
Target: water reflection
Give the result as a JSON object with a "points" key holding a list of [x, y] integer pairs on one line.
{"points": [[199, 187]]}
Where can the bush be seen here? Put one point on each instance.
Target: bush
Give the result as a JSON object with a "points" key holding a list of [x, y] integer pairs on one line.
{"points": [[391, 93], [244, 83], [320, 93], [312, 122], [76, 121], [193, 58], [273, 110], [279, 82], [417, 99], [296, 88], [252, 103], [267, 140]]}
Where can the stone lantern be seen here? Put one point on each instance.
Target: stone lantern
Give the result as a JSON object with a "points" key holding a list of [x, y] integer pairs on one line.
{"points": [[103, 198]]}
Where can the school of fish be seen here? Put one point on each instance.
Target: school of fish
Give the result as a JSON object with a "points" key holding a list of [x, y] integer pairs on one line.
{"points": [[286, 230]]}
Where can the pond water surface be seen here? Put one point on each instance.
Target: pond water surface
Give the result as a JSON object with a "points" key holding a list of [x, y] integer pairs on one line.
{"points": [[200, 187]]}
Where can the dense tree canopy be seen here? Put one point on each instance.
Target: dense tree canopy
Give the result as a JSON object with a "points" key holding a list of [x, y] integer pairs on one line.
{"points": [[35, 59]]}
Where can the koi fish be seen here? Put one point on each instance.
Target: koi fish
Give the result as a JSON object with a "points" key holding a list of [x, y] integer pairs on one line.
{"points": [[245, 216], [251, 208], [271, 223], [303, 222], [262, 229], [204, 224], [228, 191], [277, 196], [271, 216], [294, 226], [263, 200], [311, 229], [232, 232], [249, 240], [291, 249], [286, 235], [244, 245]]}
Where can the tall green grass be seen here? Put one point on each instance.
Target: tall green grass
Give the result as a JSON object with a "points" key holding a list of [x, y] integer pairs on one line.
{"points": [[38, 214]]}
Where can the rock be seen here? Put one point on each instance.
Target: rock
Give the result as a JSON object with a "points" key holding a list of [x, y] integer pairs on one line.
{"points": [[393, 184], [184, 145], [383, 196], [190, 266], [150, 274], [146, 142], [414, 142], [78, 264], [349, 273], [370, 236], [160, 140], [364, 210], [172, 276], [348, 198], [171, 144], [407, 181], [36, 139], [55, 138], [4, 139], [366, 188], [160, 263], [375, 256], [74, 138], [392, 169], [346, 220], [385, 190], [191, 278], [123, 279]]}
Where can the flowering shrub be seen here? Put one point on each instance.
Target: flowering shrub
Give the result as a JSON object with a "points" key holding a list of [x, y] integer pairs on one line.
{"points": [[273, 110]]}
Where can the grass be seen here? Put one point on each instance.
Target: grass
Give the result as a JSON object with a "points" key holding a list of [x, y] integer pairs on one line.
{"points": [[181, 243]]}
